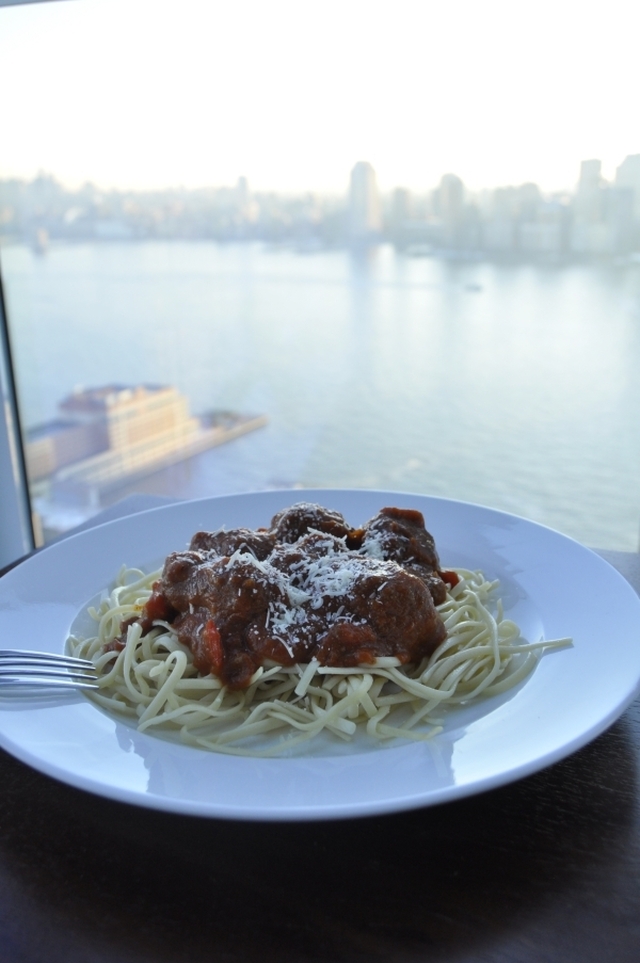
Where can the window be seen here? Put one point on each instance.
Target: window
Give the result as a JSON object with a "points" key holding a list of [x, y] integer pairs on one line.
{"points": [[345, 244]]}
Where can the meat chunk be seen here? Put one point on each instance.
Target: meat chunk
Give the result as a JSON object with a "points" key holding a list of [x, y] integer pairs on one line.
{"points": [[392, 613], [400, 534], [220, 603], [292, 523], [259, 542]]}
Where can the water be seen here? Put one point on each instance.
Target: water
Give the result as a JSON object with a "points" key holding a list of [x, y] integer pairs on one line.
{"points": [[510, 386]]}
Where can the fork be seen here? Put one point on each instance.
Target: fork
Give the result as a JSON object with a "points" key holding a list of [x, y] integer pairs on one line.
{"points": [[44, 669]]}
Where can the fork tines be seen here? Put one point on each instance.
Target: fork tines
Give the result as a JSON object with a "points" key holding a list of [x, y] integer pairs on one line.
{"points": [[28, 668]]}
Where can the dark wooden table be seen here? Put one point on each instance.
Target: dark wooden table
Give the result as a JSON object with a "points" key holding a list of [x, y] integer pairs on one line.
{"points": [[547, 869]]}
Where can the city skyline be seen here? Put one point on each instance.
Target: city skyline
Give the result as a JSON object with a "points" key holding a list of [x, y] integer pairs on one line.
{"points": [[243, 185], [291, 96], [599, 218]]}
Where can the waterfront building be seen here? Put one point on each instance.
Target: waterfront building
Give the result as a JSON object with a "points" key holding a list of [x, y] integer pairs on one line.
{"points": [[107, 435], [122, 421], [499, 234], [542, 237]]}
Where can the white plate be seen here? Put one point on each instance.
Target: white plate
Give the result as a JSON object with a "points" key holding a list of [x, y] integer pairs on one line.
{"points": [[552, 587]]}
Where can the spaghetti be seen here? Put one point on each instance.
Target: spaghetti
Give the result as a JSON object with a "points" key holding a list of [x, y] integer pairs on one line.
{"points": [[150, 676]]}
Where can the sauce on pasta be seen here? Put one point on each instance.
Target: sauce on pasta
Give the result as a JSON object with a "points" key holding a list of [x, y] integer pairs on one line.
{"points": [[308, 587]]}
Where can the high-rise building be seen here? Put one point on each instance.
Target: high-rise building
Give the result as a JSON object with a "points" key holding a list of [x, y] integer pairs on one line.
{"points": [[364, 203], [242, 192], [590, 232], [628, 175], [620, 218], [402, 206], [590, 175], [451, 198], [589, 199], [449, 203]]}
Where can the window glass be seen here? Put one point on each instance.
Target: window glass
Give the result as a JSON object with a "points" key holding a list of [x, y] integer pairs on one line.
{"points": [[380, 245]]}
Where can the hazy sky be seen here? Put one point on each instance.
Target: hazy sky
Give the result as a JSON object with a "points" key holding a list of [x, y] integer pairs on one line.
{"points": [[290, 93]]}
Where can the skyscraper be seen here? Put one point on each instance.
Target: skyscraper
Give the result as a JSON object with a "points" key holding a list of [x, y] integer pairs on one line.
{"points": [[589, 199], [589, 175], [628, 175], [590, 232], [450, 206], [364, 203], [451, 198]]}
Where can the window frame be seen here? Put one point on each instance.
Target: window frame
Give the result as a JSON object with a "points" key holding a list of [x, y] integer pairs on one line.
{"points": [[16, 528], [16, 520]]}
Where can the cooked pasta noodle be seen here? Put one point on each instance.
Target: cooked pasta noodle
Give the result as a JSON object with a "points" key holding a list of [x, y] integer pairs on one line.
{"points": [[153, 680]]}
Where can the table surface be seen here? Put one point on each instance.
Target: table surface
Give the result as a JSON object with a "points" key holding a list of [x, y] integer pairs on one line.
{"points": [[546, 869]]}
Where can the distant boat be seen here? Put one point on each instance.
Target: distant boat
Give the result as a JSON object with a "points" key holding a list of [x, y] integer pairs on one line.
{"points": [[473, 287]]}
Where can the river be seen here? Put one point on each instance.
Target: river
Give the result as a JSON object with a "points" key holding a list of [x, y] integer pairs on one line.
{"points": [[514, 386]]}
